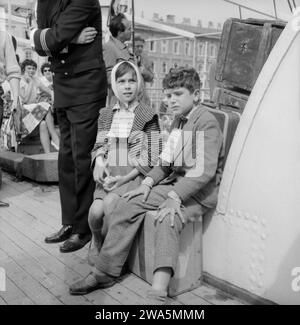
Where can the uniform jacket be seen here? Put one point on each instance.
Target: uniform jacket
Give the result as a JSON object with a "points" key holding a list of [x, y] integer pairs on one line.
{"points": [[196, 169], [79, 71]]}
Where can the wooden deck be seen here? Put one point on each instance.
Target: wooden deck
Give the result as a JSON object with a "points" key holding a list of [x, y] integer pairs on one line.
{"points": [[37, 273]]}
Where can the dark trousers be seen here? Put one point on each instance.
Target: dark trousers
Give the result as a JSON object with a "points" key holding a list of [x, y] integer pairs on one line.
{"points": [[78, 130]]}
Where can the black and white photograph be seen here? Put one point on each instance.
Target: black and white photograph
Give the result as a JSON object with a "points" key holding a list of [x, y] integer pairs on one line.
{"points": [[149, 156]]}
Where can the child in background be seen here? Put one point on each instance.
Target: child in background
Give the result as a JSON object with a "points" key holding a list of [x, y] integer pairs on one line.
{"points": [[126, 148]]}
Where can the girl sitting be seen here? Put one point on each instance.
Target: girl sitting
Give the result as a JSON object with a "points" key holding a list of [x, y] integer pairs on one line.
{"points": [[127, 147]]}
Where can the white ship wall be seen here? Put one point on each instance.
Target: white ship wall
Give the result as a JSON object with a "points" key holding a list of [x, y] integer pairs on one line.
{"points": [[253, 241]]}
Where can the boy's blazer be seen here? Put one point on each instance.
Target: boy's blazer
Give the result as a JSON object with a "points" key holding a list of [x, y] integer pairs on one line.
{"points": [[196, 169]]}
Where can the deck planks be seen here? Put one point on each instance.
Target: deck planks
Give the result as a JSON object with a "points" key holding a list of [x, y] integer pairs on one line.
{"points": [[37, 273]]}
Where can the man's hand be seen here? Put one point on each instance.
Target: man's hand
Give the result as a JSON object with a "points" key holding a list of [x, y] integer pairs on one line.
{"points": [[169, 207], [142, 189], [87, 35]]}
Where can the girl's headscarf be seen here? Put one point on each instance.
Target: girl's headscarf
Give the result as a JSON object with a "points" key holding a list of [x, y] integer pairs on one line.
{"points": [[138, 75]]}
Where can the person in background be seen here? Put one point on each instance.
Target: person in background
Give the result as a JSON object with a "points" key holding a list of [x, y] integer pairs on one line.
{"points": [[115, 49], [39, 109], [10, 71], [47, 76], [47, 80], [142, 59]]}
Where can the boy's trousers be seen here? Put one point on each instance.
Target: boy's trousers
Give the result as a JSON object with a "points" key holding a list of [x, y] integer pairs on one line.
{"points": [[124, 223]]}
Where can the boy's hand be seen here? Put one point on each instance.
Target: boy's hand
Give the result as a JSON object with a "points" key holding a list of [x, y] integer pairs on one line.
{"points": [[169, 207], [142, 189], [112, 183]]}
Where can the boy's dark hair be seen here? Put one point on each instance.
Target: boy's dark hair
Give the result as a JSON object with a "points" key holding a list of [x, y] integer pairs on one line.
{"points": [[124, 68], [182, 77], [45, 65], [26, 63], [116, 25]]}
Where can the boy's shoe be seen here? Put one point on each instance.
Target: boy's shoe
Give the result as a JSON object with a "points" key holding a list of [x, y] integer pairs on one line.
{"points": [[91, 283], [156, 297]]}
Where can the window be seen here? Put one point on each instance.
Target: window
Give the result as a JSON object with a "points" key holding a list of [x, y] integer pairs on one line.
{"points": [[152, 46], [153, 66], [200, 67], [176, 47], [212, 50], [187, 49], [164, 67], [164, 46], [201, 49], [209, 64]]}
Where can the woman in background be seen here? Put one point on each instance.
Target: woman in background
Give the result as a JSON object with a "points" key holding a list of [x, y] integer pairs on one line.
{"points": [[10, 71], [40, 111]]}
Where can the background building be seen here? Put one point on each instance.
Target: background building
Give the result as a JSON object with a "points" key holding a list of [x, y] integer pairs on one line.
{"points": [[170, 44], [13, 15]]}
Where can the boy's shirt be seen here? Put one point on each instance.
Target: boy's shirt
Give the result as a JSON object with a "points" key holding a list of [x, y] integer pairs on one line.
{"points": [[196, 159], [174, 140]]}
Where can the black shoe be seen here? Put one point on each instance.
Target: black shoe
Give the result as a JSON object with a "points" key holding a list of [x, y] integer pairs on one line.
{"points": [[63, 234], [3, 204], [82, 287], [75, 242]]}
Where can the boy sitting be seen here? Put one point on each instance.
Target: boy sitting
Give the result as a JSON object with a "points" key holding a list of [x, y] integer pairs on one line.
{"points": [[182, 187]]}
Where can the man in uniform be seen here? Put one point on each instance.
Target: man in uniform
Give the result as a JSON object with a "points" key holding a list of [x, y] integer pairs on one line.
{"points": [[80, 88]]}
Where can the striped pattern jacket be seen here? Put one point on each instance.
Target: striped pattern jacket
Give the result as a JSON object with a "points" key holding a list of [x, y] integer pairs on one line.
{"points": [[144, 142]]}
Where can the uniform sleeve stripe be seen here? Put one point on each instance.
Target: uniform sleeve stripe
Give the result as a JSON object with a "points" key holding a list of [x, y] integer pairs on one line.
{"points": [[43, 41]]}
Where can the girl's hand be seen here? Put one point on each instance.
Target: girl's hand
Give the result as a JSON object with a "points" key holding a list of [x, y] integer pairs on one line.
{"points": [[100, 172], [112, 183]]}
